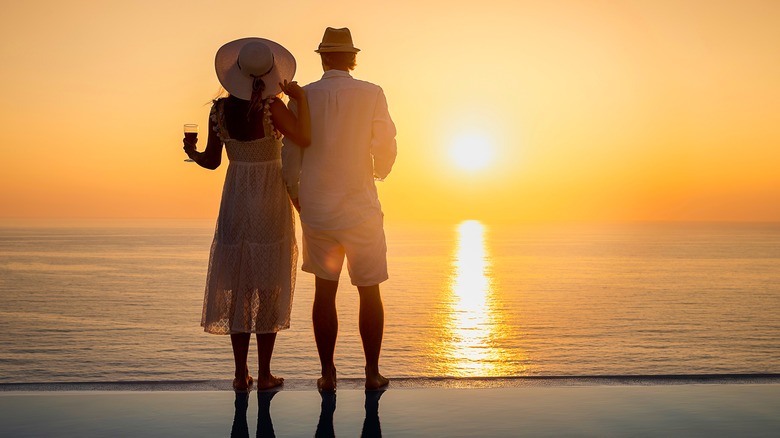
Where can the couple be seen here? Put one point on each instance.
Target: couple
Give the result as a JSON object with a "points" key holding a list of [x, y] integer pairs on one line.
{"points": [[319, 156]]}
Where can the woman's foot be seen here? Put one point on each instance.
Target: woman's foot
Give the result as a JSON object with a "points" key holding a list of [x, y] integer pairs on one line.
{"points": [[376, 381], [243, 383], [327, 382], [269, 381]]}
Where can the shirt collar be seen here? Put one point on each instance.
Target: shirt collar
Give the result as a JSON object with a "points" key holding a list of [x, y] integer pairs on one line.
{"points": [[336, 74]]}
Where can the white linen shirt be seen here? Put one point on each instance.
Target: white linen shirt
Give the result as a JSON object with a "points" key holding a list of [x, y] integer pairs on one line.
{"points": [[352, 140]]}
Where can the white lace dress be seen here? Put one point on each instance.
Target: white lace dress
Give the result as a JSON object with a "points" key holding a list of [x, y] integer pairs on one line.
{"points": [[252, 264]]}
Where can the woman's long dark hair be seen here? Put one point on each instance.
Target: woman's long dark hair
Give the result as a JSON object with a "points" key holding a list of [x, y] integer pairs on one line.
{"points": [[256, 102]]}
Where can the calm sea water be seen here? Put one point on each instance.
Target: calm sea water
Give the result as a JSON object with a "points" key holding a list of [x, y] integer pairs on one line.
{"points": [[122, 301]]}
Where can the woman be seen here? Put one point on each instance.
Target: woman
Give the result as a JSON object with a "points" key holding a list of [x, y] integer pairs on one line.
{"points": [[253, 259]]}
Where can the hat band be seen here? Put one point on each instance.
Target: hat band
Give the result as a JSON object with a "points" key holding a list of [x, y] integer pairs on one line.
{"points": [[238, 63], [332, 45]]}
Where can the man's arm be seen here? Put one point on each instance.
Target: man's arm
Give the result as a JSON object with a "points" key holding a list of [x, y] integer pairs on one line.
{"points": [[383, 145]]}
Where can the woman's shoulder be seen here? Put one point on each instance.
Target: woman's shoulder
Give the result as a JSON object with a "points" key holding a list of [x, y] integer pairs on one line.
{"points": [[217, 111], [216, 103], [220, 100]]}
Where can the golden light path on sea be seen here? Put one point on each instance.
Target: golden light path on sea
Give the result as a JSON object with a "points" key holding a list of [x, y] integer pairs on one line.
{"points": [[473, 322]]}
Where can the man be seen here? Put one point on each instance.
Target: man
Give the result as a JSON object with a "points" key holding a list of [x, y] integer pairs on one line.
{"points": [[332, 185]]}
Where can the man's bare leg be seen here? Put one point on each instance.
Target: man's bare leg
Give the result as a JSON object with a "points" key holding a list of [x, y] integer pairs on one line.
{"points": [[372, 325], [326, 328]]}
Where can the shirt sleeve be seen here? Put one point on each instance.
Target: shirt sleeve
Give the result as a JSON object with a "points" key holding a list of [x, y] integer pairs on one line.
{"points": [[292, 156], [383, 145]]}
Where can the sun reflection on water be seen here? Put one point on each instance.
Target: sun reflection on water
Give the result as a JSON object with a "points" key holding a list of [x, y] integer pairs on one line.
{"points": [[474, 322]]}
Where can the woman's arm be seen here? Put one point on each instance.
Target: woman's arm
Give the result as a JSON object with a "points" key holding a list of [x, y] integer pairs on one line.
{"points": [[211, 158], [296, 128]]}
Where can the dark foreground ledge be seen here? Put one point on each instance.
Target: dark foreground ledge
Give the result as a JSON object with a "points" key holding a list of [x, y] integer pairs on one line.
{"points": [[684, 406], [411, 383]]}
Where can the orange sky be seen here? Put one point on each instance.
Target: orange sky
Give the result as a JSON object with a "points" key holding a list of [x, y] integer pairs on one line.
{"points": [[593, 110]]}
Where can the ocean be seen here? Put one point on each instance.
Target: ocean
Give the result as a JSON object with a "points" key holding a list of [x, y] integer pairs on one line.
{"points": [[121, 301]]}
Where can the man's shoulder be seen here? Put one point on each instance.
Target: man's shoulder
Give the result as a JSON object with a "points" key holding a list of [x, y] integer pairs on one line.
{"points": [[366, 84], [312, 84], [350, 82]]}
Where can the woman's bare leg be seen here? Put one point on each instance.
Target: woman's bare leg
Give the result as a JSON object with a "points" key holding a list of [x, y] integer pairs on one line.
{"points": [[265, 349], [240, 342]]}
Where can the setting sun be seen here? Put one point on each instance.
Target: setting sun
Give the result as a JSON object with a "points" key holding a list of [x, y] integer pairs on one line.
{"points": [[471, 152], [602, 111]]}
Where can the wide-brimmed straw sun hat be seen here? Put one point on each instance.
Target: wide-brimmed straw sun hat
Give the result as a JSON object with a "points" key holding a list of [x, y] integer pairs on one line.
{"points": [[337, 40], [239, 62]]}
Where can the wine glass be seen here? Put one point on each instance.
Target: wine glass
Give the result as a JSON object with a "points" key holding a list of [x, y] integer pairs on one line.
{"points": [[190, 133]]}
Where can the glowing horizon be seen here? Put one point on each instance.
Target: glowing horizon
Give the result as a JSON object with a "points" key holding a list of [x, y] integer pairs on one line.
{"points": [[621, 111]]}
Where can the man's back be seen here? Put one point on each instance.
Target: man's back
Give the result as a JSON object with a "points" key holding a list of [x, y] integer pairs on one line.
{"points": [[353, 138]]}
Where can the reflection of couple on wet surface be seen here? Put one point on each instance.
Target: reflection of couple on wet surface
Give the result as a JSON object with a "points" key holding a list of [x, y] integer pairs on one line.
{"points": [[265, 427]]}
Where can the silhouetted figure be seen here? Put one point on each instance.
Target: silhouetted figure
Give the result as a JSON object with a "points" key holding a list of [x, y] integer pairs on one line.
{"points": [[371, 427], [251, 273], [327, 408], [333, 185]]}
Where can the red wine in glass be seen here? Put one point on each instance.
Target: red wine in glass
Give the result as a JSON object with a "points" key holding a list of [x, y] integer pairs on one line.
{"points": [[191, 134]]}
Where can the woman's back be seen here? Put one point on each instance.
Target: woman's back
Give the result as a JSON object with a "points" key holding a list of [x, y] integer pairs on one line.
{"points": [[248, 137], [253, 258], [241, 123]]}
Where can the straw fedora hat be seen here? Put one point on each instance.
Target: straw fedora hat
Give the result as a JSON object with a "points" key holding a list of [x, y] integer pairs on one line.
{"points": [[239, 62], [337, 40]]}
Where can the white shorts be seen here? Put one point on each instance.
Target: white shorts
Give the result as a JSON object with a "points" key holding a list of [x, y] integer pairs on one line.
{"points": [[364, 246]]}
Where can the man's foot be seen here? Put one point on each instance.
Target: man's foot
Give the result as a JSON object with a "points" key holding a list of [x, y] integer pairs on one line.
{"points": [[376, 382], [268, 382], [327, 382]]}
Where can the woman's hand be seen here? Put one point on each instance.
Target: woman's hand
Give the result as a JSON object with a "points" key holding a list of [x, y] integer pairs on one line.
{"points": [[293, 90]]}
